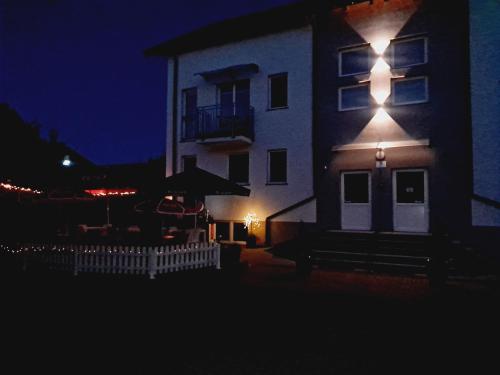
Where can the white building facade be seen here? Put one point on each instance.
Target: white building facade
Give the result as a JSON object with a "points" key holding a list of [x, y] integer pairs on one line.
{"points": [[243, 111]]}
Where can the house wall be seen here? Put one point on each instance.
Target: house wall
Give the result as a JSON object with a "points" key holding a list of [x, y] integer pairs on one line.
{"points": [[485, 101], [290, 128], [443, 120]]}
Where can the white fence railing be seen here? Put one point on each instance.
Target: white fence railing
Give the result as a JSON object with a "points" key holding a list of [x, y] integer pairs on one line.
{"points": [[121, 259]]}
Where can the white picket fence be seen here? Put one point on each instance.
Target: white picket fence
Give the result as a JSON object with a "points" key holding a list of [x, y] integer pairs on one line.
{"points": [[138, 260]]}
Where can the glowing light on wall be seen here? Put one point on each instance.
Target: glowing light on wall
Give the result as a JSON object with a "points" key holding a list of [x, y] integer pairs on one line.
{"points": [[378, 22], [381, 117], [380, 81], [380, 45], [380, 66]]}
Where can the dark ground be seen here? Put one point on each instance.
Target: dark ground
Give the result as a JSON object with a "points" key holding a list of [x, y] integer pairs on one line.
{"points": [[232, 322]]}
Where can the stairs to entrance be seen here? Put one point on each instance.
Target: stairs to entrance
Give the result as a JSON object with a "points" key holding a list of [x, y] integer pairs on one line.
{"points": [[377, 251]]}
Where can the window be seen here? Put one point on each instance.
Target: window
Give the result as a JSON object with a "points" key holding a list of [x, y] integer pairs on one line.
{"points": [[354, 97], [277, 167], [356, 188], [409, 52], [410, 187], [188, 162], [409, 90], [189, 113], [278, 91], [222, 231], [239, 168], [234, 98], [240, 233], [231, 231], [354, 61]]}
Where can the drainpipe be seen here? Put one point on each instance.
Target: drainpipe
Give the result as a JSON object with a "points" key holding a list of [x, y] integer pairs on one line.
{"points": [[315, 77], [174, 114]]}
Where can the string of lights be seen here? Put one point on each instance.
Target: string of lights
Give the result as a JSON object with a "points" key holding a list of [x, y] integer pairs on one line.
{"points": [[19, 189]]}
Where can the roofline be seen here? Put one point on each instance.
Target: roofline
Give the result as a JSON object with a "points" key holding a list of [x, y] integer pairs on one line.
{"points": [[274, 20]]}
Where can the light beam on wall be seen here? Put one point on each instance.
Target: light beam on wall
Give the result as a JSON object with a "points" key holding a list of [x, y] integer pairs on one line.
{"points": [[380, 45], [378, 23], [380, 81]]}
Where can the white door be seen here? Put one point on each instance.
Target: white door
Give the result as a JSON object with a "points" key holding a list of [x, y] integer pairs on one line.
{"points": [[410, 200], [356, 207]]}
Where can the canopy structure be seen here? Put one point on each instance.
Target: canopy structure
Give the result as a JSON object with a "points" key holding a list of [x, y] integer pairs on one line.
{"points": [[230, 73], [198, 182]]}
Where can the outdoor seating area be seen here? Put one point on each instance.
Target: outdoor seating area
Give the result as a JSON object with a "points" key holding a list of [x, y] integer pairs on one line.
{"points": [[106, 226]]}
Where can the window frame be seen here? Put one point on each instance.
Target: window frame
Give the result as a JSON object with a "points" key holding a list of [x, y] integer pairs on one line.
{"points": [[183, 159], [247, 183], [403, 79], [342, 187], [269, 152], [351, 49], [339, 97], [230, 223], [233, 84], [269, 91], [183, 111], [408, 39]]}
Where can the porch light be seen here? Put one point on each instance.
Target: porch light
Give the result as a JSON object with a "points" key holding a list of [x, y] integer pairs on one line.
{"points": [[380, 154]]}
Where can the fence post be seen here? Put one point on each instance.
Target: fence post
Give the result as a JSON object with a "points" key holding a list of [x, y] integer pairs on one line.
{"points": [[75, 260], [217, 254], [25, 258], [153, 258]]}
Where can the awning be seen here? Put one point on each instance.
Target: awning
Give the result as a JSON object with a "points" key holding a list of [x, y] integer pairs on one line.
{"points": [[230, 73]]}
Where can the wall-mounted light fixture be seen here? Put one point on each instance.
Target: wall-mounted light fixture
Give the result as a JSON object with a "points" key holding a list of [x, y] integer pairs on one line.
{"points": [[380, 45], [380, 158]]}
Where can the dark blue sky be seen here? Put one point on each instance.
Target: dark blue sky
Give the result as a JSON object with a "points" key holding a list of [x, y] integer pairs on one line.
{"points": [[77, 66]]}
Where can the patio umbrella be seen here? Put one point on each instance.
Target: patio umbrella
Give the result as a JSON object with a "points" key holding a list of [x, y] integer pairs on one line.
{"points": [[198, 182], [193, 182]]}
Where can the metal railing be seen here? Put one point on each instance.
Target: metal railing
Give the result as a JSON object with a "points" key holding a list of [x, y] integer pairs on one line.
{"points": [[217, 121]]}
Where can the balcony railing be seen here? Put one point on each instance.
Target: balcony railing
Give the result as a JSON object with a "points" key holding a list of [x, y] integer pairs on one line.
{"points": [[218, 121]]}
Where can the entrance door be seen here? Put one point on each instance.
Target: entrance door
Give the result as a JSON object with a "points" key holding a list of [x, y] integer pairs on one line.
{"points": [[356, 207], [410, 200]]}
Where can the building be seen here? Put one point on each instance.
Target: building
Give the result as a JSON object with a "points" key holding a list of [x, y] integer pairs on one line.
{"points": [[240, 106], [386, 109], [485, 107], [387, 123]]}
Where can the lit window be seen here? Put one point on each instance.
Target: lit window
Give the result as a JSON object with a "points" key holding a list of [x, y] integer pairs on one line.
{"points": [[409, 52], [239, 168], [354, 97], [409, 90], [277, 167], [354, 61], [278, 91]]}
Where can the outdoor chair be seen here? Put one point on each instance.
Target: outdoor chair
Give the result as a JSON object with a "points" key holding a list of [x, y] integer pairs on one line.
{"points": [[194, 235]]}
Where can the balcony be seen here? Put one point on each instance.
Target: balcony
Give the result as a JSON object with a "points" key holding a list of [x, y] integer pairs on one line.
{"points": [[216, 125]]}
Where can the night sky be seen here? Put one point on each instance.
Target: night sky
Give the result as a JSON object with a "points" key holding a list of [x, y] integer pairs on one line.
{"points": [[77, 66]]}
